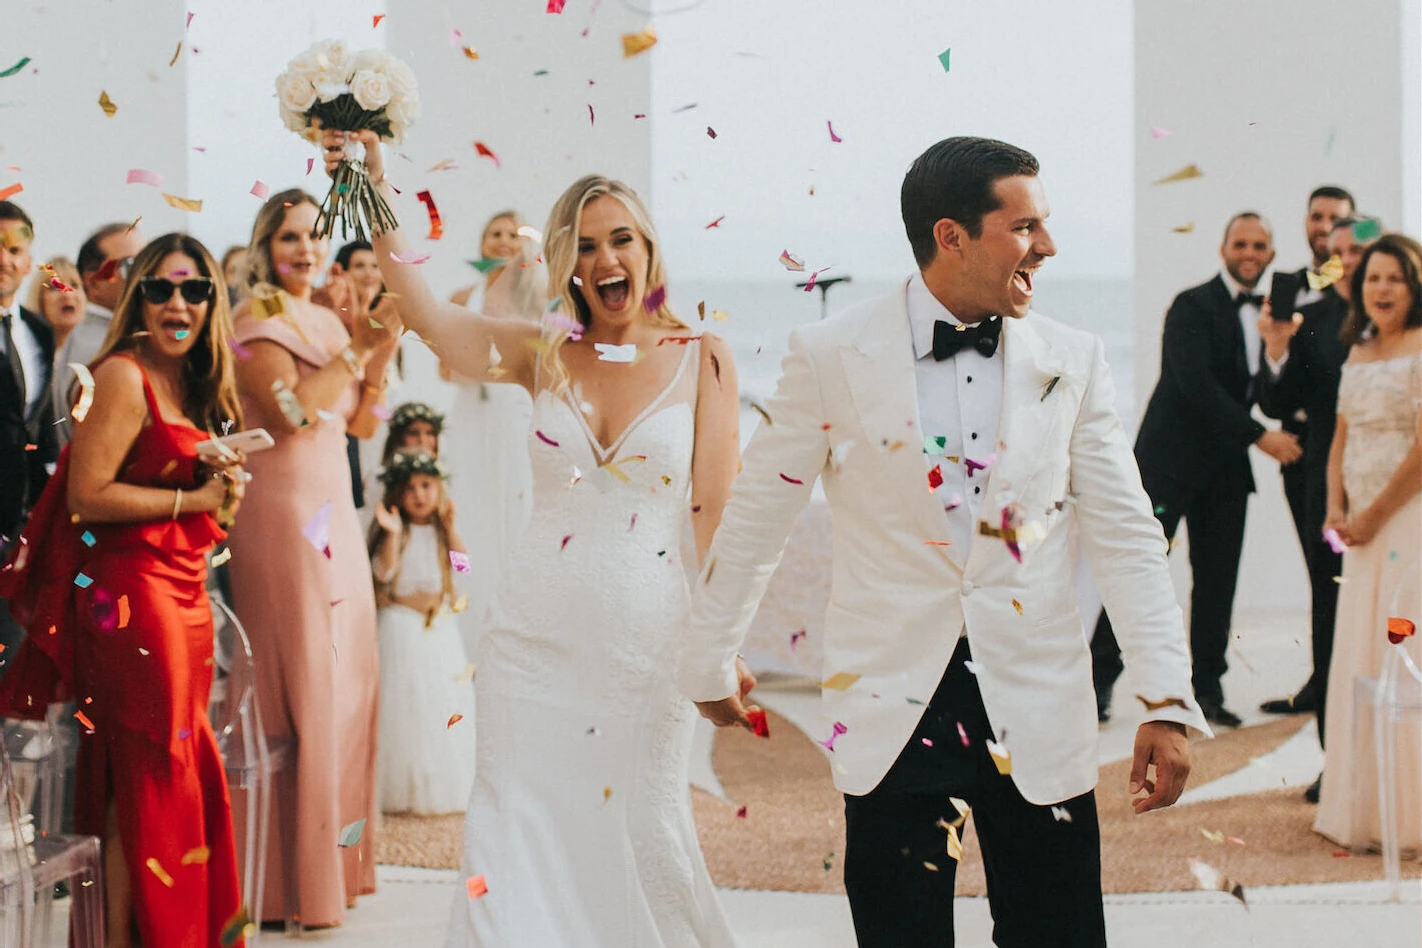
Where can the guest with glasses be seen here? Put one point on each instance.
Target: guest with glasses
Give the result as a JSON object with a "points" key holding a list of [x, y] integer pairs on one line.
{"points": [[110, 583], [300, 577]]}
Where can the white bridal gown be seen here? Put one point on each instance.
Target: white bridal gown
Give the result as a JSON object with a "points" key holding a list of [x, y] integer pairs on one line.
{"points": [[580, 819]]}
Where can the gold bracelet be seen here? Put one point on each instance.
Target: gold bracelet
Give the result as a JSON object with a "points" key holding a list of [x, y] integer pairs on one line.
{"points": [[177, 503]]}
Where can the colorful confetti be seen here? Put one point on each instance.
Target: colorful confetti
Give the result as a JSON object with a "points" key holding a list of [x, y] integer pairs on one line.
{"points": [[453, 720], [654, 301], [351, 833], [436, 225], [459, 561], [80, 411], [156, 867], [15, 68], [1399, 629], [197, 856], [792, 480], [183, 204], [1001, 757], [318, 530], [107, 104], [1184, 174], [83, 581], [833, 137], [8, 192], [237, 927], [943, 58], [485, 151], [1334, 541], [636, 43], [545, 439], [260, 190], [839, 729], [144, 176], [760, 724], [1158, 133], [80, 716], [475, 885], [715, 223], [554, 6], [414, 259], [840, 681]]}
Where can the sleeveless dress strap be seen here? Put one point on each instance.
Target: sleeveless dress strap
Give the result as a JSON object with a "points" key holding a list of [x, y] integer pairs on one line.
{"points": [[148, 395]]}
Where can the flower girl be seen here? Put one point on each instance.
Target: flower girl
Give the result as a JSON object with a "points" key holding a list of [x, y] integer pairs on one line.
{"points": [[426, 691]]}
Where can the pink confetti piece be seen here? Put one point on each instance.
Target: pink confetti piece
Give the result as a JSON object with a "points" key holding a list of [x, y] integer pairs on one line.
{"points": [[741, 813], [711, 133], [795, 638], [239, 350], [792, 480], [983, 465], [927, 741], [810, 283], [190, 20], [413, 259], [564, 544], [1158, 133], [261, 190], [382, 411], [839, 729], [592, 116], [456, 38], [556, 6], [318, 530], [1334, 541], [545, 439], [962, 734], [459, 561], [833, 136], [144, 176], [655, 299], [791, 262]]}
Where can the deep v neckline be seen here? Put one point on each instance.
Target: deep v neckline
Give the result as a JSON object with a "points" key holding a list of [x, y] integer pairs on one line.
{"points": [[605, 453]]}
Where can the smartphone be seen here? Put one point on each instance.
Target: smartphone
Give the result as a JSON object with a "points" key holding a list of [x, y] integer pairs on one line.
{"points": [[1282, 293], [247, 442]]}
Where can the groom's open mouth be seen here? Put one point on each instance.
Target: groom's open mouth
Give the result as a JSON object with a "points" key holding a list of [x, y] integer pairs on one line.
{"points": [[614, 292], [1022, 280]]}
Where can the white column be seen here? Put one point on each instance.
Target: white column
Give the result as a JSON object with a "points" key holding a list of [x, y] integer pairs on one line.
{"points": [[1269, 99]]}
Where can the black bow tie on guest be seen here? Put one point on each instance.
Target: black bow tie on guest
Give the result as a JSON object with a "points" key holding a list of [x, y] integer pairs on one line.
{"points": [[949, 339], [1242, 298]]}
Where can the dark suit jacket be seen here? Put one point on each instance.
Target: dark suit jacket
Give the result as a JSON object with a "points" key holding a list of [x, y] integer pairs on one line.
{"points": [[22, 472], [1197, 425], [1309, 381]]}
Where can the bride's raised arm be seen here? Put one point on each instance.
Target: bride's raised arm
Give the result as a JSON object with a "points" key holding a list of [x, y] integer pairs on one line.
{"points": [[461, 339]]}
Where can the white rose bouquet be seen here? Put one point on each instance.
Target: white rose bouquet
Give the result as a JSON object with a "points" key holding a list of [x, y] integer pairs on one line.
{"points": [[330, 87]]}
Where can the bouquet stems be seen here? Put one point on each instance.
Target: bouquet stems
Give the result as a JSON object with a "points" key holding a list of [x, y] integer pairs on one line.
{"points": [[356, 203]]}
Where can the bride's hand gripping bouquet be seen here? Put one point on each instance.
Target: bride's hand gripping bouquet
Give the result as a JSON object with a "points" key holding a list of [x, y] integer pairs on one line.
{"points": [[329, 87]]}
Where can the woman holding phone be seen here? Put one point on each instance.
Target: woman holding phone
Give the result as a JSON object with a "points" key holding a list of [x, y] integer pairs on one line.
{"points": [[300, 577], [109, 581]]}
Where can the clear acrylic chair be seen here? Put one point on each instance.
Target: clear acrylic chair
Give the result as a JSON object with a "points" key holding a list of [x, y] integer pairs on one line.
{"points": [[250, 759], [1393, 698], [31, 865], [42, 755]]}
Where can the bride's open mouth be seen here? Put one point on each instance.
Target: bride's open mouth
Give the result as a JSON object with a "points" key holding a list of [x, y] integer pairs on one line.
{"points": [[614, 292]]}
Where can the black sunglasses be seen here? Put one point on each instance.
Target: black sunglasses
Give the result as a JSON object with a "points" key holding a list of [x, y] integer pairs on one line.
{"points": [[157, 290]]}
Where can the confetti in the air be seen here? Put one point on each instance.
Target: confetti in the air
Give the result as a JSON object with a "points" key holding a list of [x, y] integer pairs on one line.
{"points": [[459, 561], [144, 176], [351, 834], [833, 136], [414, 259], [453, 720], [484, 151], [261, 190], [156, 867], [943, 58], [640, 42], [436, 225], [840, 681], [475, 885], [80, 411], [107, 104], [6, 74], [839, 729], [183, 204], [1158, 133], [1184, 174], [318, 530]]}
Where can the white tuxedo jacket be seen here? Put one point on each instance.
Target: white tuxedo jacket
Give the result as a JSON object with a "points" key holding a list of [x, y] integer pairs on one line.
{"points": [[846, 411]]}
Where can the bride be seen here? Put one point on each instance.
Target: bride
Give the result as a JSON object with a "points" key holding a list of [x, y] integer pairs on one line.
{"points": [[580, 819]]}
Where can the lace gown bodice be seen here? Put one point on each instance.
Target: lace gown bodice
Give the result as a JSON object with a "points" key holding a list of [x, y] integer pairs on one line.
{"points": [[1380, 401]]}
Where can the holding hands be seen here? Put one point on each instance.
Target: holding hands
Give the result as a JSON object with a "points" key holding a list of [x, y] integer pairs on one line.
{"points": [[733, 710]]}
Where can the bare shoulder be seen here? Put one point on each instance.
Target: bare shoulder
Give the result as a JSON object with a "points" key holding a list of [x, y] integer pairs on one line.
{"points": [[119, 377], [713, 345], [718, 366]]}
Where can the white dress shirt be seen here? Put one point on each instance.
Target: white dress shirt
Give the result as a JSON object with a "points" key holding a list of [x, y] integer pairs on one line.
{"points": [[32, 359], [959, 400]]}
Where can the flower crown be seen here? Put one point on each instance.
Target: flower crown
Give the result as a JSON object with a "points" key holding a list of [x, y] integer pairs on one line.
{"points": [[404, 466], [411, 412]]}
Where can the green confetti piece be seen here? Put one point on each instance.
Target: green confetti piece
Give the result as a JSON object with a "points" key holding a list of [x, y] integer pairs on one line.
{"points": [[15, 68], [182, 334], [1392, 556], [1159, 509], [934, 445], [541, 72], [351, 833], [88, 538], [83, 582], [1367, 229], [487, 264], [238, 926], [943, 58]]}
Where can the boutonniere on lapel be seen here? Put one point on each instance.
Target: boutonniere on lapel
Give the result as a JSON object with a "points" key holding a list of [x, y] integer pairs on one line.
{"points": [[1047, 389], [1052, 374]]}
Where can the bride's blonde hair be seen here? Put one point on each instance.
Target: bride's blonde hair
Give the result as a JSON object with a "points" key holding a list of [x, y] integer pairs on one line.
{"points": [[560, 250]]}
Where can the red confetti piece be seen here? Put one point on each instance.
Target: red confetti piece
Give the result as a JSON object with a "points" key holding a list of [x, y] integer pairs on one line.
{"points": [[741, 813], [11, 191], [935, 478], [760, 724], [485, 151], [676, 340], [108, 270], [83, 719], [795, 638], [716, 222], [453, 720], [564, 544], [476, 884], [592, 116], [833, 136], [375, 20], [790, 480], [710, 132], [1399, 629], [436, 226], [554, 6], [545, 439]]}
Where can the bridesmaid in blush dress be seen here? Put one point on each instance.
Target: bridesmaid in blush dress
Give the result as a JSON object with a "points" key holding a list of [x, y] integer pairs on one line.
{"points": [[300, 577], [110, 583]]}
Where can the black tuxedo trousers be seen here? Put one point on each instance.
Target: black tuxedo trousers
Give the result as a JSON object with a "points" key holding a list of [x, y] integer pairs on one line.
{"points": [[1043, 867], [1214, 510]]}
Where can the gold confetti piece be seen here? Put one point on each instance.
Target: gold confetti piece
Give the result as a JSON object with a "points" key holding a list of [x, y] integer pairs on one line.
{"points": [[617, 472], [80, 411], [197, 856], [961, 806], [1185, 228], [123, 611], [1167, 703], [222, 557], [471, 52], [183, 204], [606, 794], [1001, 757], [1184, 174], [720, 315], [453, 720], [1214, 836], [107, 104], [176, 53], [1328, 274], [930, 867], [955, 845], [265, 307], [840, 681], [666, 480], [710, 570], [634, 43], [765, 415], [156, 867], [701, 310], [1018, 606]]}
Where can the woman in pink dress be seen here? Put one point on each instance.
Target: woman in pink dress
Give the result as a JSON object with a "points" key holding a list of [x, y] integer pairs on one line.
{"points": [[300, 577]]}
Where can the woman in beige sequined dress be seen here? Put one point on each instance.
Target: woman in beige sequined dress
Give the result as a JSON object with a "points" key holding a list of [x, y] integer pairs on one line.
{"points": [[1375, 505]]}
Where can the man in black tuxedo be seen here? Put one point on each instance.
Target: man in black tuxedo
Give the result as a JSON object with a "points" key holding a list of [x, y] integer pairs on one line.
{"points": [[1192, 450], [1304, 362], [27, 439]]}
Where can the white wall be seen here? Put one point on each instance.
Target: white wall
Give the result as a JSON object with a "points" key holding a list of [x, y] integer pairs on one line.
{"points": [[1269, 100]]}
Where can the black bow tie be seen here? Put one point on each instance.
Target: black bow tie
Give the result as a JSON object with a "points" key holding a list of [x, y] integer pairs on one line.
{"points": [[1242, 298], [950, 338]]}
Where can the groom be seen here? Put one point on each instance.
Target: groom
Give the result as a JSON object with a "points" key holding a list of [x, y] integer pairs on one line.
{"points": [[966, 447]]}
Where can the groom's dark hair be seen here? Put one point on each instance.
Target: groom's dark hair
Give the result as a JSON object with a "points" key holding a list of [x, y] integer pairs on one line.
{"points": [[954, 179]]}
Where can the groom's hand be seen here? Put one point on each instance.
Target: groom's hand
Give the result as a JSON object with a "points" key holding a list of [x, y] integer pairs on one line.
{"points": [[1161, 744], [728, 712]]}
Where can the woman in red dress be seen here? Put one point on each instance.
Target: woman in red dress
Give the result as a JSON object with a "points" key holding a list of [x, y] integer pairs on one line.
{"points": [[109, 582]]}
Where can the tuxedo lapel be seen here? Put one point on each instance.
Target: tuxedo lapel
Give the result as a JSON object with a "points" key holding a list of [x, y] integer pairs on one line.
{"points": [[1029, 416], [1227, 312], [879, 370]]}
